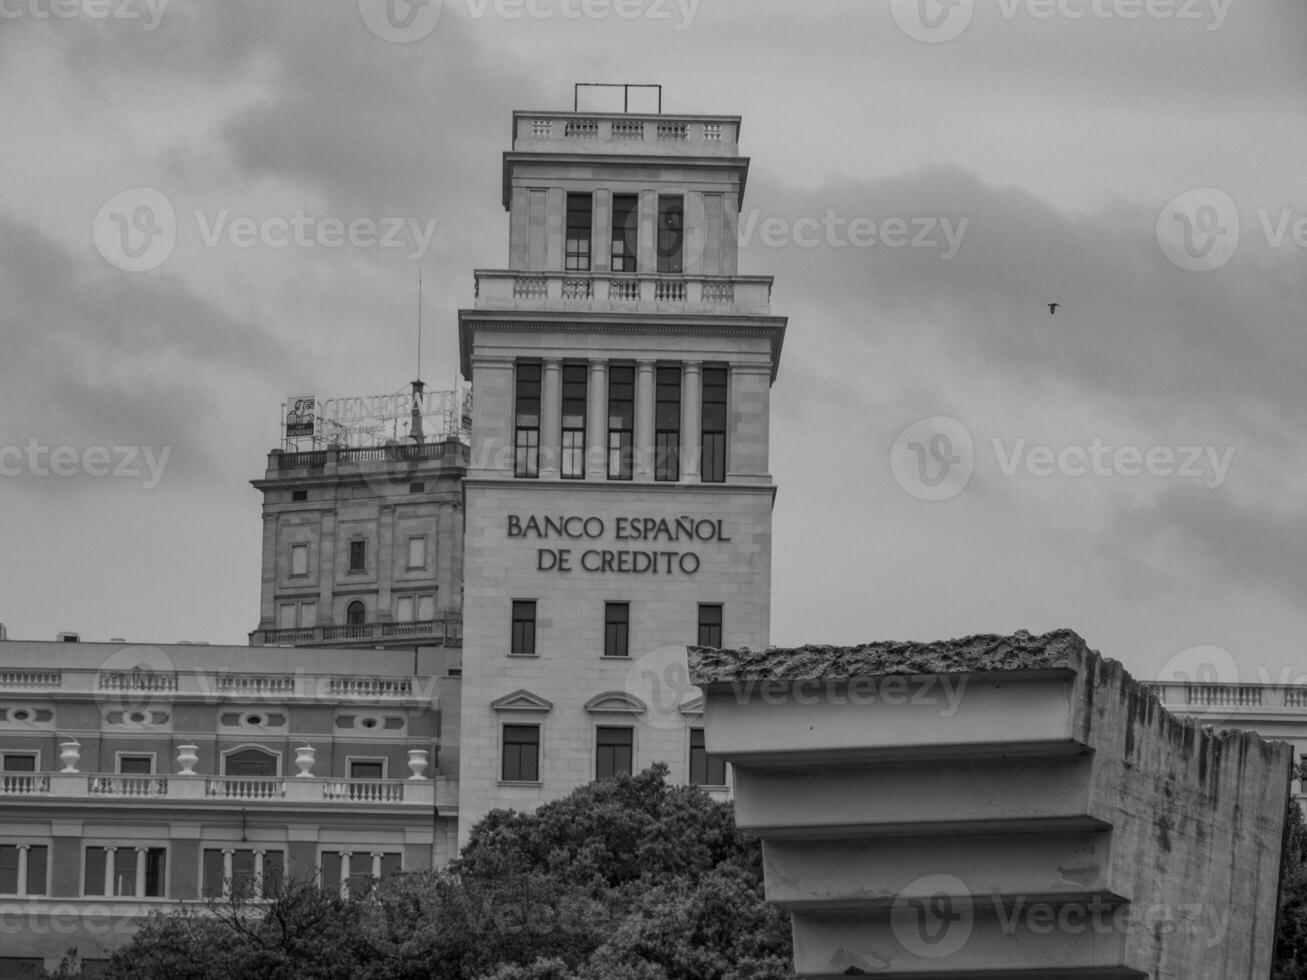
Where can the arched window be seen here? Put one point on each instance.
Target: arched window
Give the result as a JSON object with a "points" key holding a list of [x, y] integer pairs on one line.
{"points": [[356, 614], [249, 762]]}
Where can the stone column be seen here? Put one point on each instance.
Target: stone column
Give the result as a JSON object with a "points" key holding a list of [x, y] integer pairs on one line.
{"points": [[385, 559], [21, 890], [596, 435], [691, 415], [228, 856], [141, 853], [258, 874], [644, 421], [109, 853], [268, 605], [376, 864], [551, 418], [345, 857]]}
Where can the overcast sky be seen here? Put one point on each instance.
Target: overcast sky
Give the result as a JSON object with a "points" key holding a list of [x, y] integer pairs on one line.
{"points": [[925, 179]]}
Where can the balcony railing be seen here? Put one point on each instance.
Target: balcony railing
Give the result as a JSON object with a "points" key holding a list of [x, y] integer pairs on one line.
{"points": [[24, 784], [365, 790], [245, 787], [622, 291], [136, 787], [1179, 695], [643, 133], [436, 632]]}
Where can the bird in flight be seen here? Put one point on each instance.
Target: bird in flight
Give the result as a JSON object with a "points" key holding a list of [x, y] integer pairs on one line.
{"points": [[1052, 308]]}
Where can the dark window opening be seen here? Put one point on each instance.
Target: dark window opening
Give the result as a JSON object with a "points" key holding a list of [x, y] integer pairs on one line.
{"points": [[712, 461], [617, 625], [526, 456], [667, 423], [521, 762], [621, 421]]}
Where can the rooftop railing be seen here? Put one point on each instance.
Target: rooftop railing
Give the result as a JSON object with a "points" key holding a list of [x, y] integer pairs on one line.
{"points": [[622, 292], [103, 787]]}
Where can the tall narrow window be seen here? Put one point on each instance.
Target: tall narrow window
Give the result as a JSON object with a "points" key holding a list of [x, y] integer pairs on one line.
{"points": [[521, 762], [704, 769], [524, 626], [299, 559], [114, 871], [417, 551], [712, 461], [19, 877], [356, 614], [574, 411], [625, 236], [710, 624], [617, 629], [613, 751], [358, 556], [577, 253], [667, 423], [621, 421], [526, 459], [671, 232]]}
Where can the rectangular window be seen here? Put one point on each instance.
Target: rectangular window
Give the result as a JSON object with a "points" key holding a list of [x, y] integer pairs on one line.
{"points": [[18, 762], [113, 872], [360, 868], [710, 624], [667, 423], [243, 879], [136, 765], [308, 613], [537, 235], [404, 609], [417, 551], [526, 459], [521, 761], [617, 625], [671, 232], [32, 880], [712, 460], [358, 556], [704, 769], [625, 231], [574, 414], [621, 421], [613, 751], [524, 626], [577, 252], [299, 559], [367, 769], [427, 607]]}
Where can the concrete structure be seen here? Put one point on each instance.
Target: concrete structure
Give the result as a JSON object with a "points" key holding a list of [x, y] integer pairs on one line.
{"points": [[132, 777], [618, 500], [1273, 710], [997, 806]]}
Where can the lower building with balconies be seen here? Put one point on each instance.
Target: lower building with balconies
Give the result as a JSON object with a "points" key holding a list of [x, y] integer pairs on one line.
{"points": [[138, 777]]}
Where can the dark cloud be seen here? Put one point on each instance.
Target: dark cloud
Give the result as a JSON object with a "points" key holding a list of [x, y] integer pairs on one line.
{"points": [[93, 356]]}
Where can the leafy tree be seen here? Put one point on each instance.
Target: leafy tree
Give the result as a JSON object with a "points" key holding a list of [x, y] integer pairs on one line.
{"points": [[625, 879], [1291, 931]]}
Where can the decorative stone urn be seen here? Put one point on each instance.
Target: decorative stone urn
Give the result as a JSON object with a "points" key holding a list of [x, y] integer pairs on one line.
{"points": [[305, 756], [70, 753], [187, 757], [417, 763]]}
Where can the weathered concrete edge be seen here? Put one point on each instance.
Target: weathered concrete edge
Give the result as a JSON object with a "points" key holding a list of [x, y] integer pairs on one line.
{"points": [[1061, 649]]}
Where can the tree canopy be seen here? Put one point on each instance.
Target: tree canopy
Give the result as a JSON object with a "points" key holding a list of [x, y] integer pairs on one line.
{"points": [[624, 879]]}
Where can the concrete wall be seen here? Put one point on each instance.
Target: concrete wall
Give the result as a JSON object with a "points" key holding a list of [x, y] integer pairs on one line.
{"points": [[913, 832]]}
